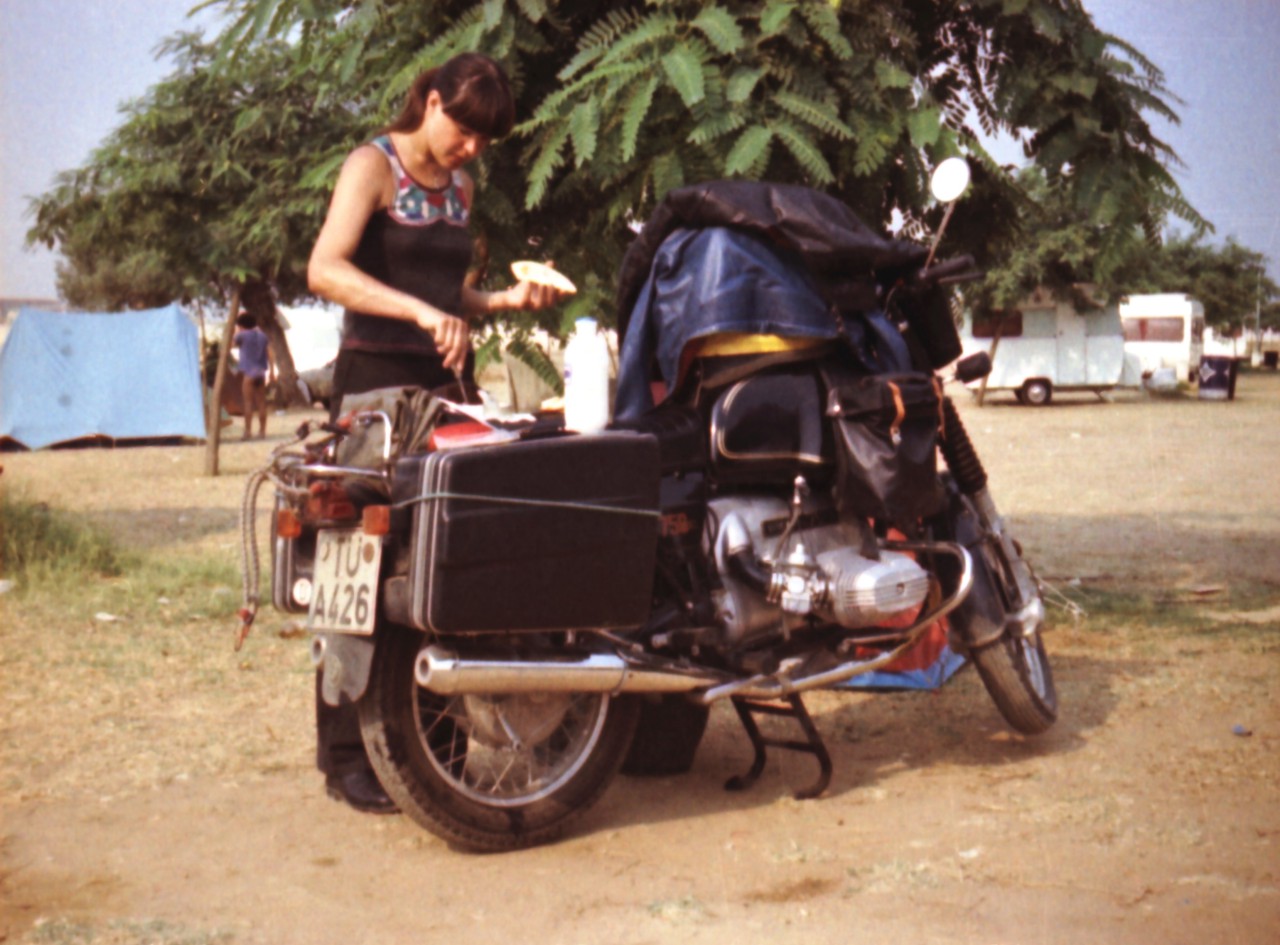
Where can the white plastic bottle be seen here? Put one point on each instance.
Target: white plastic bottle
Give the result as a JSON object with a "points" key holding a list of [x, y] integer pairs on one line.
{"points": [[586, 378]]}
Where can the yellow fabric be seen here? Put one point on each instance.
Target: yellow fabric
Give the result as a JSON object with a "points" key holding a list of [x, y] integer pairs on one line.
{"points": [[729, 343]]}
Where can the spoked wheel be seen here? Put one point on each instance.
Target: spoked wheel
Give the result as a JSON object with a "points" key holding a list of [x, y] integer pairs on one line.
{"points": [[488, 772], [1017, 675], [1014, 667]]}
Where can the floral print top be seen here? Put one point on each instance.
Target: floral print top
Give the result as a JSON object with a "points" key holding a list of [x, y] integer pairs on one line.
{"points": [[417, 205]]}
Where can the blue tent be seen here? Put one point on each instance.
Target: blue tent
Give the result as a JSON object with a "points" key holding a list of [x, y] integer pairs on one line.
{"points": [[67, 376]]}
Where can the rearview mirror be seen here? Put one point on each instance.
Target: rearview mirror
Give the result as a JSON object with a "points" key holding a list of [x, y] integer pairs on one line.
{"points": [[950, 179]]}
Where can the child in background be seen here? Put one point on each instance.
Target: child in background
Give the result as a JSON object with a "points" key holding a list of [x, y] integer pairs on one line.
{"points": [[257, 364]]}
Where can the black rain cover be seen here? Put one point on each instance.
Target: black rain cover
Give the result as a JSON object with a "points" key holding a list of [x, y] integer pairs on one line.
{"points": [[841, 251]]}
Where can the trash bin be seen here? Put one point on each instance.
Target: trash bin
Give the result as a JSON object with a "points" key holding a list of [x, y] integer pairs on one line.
{"points": [[1217, 377], [1270, 360]]}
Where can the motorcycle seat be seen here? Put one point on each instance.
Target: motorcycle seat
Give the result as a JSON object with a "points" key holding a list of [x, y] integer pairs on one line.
{"points": [[680, 432]]}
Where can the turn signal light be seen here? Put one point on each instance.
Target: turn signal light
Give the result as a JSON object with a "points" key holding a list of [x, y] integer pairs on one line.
{"points": [[288, 525], [376, 520]]}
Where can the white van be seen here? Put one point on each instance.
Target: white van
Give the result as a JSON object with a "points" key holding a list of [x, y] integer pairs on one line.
{"points": [[1046, 345], [1164, 330]]}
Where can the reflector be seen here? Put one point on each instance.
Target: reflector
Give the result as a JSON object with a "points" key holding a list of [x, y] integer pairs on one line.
{"points": [[376, 520]]}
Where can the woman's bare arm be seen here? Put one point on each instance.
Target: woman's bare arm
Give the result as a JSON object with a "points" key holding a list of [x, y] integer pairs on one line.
{"points": [[332, 274]]}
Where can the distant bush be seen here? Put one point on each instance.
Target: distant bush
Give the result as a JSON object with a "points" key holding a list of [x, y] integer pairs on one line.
{"points": [[37, 539]]}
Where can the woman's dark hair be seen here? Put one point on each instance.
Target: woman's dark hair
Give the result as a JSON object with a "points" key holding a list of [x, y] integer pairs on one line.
{"points": [[473, 90]]}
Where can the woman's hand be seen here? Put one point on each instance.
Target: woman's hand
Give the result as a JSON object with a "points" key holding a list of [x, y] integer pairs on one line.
{"points": [[532, 296], [451, 335]]}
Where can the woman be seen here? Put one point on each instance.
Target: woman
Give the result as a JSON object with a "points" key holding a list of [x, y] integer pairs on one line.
{"points": [[394, 251]]}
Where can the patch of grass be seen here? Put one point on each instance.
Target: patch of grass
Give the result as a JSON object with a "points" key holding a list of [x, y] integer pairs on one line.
{"points": [[38, 543], [121, 932], [1207, 612], [78, 570]]}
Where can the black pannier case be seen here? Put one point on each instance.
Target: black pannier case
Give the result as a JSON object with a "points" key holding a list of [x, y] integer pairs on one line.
{"points": [[543, 534]]}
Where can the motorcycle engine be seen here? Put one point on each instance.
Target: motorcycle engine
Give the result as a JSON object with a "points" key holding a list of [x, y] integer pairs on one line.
{"points": [[821, 571]]}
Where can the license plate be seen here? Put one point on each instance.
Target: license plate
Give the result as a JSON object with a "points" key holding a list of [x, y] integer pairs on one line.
{"points": [[345, 595]]}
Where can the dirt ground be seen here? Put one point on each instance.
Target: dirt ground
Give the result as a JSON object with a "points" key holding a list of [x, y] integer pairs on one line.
{"points": [[175, 801]]}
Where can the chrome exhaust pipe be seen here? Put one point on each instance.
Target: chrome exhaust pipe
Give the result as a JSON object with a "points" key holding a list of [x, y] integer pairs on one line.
{"points": [[445, 672]]}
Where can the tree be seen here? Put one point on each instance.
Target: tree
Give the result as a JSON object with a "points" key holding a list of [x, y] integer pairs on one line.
{"points": [[1230, 281], [196, 196], [626, 100]]}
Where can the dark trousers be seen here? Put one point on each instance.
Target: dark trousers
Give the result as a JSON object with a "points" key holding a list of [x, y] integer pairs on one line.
{"points": [[339, 748]]}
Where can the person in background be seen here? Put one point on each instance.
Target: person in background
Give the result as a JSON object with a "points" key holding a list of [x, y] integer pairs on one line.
{"points": [[258, 367], [394, 250]]}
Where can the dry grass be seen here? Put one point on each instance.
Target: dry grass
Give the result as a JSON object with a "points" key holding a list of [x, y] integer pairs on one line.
{"points": [[123, 696]]}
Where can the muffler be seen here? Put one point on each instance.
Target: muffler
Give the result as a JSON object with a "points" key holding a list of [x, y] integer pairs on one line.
{"points": [[447, 673]]}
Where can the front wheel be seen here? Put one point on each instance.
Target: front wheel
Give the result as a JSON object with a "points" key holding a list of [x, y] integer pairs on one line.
{"points": [[1017, 676], [1013, 666], [488, 772]]}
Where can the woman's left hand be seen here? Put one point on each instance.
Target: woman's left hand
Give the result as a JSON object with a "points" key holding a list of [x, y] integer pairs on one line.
{"points": [[532, 296]]}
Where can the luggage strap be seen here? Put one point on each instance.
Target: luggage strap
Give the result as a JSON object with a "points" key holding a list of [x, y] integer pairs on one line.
{"points": [[537, 503]]}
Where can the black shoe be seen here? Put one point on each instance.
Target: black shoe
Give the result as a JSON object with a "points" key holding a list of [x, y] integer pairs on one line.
{"points": [[361, 790]]}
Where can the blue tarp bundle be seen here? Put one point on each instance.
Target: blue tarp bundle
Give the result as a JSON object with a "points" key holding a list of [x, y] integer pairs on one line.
{"points": [[65, 376], [945, 665]]}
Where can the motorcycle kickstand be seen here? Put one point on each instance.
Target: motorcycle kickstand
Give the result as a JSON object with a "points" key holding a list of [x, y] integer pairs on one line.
{"points": [[813, 744]]}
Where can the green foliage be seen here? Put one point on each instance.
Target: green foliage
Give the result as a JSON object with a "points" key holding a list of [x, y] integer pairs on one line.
{"points": [[1229, 280], [202, 186], [38, 543], [530, 354], [1062, 246], [621, 101]]}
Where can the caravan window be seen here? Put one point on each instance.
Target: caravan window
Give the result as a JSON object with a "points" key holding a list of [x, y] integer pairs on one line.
{"points": [[985, 326], [1154, 329]]}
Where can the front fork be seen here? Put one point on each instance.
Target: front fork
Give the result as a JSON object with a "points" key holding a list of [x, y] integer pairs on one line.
{"points": [[1026, 605]]}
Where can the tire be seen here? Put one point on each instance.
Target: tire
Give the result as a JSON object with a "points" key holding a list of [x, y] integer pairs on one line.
{"points": [[1019, 680], [1037, 393], [1014, 670], [456, 764]]}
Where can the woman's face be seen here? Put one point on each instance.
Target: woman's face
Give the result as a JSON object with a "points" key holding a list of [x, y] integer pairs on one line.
{"points": [[452, 145]]}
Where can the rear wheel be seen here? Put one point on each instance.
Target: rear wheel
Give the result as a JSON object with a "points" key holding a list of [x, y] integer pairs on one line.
{"points": [[488, 772]]}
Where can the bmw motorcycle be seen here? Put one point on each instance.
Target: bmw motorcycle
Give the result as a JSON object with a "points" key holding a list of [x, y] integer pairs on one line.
{"points": [[519, 612]]}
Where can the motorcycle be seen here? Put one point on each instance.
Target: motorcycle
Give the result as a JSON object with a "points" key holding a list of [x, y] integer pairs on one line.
{"points": [[520, 612]]}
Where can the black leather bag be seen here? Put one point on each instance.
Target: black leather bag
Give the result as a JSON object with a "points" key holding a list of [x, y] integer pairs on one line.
{"points": [[887, 434], [769, 428]]}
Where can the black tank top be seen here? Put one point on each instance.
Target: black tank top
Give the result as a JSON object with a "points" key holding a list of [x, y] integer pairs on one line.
{"points": [[419, 245]]}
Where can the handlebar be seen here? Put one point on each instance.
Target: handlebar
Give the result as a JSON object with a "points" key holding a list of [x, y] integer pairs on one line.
{"points": [[960, 269]]}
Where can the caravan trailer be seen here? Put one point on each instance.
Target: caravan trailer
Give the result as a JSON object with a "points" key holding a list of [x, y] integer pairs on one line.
{"points": [[1164, 330], [1045, 345]]}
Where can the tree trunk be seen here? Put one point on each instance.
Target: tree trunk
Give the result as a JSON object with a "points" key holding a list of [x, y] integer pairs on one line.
{"points": [[213, 424], [261, 304], [995, 344]]}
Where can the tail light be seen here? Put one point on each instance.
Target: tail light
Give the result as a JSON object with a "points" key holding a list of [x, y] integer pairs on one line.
{"points": [[328, 501]]}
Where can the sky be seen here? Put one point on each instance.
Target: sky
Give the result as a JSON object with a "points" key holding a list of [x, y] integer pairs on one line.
{"points": [[67, 65]]}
